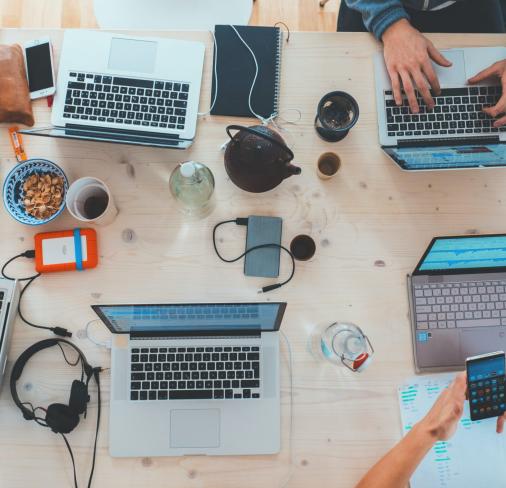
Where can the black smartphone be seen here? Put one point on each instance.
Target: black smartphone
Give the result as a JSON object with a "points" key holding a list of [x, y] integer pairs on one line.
{"points": [[263, 262], [485, 383]]}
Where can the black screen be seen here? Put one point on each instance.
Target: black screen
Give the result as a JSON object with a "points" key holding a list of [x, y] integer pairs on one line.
{"points": [[38, 62]]}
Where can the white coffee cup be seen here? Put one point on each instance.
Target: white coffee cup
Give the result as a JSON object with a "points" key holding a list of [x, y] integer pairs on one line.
{"points": [[89, 200]]}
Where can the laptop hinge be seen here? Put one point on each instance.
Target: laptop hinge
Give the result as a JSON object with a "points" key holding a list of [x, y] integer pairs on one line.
{"points": [[98, 131], [448, 141], [193, 333]]}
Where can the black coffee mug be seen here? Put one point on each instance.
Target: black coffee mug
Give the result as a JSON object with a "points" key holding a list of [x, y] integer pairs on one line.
{"points": [[302, 247], [337, 113]]}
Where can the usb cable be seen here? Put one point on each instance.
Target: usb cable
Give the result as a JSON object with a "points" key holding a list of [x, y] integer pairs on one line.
{"points": [[244, 221], [30, 254]]}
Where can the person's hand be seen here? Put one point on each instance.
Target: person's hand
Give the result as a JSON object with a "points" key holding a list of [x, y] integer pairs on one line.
{"points": [[408, 56], [500, 423], [442, 420], [496, 71]]}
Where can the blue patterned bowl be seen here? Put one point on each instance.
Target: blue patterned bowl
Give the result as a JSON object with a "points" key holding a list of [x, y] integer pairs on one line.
{"points": [[13, 189]]}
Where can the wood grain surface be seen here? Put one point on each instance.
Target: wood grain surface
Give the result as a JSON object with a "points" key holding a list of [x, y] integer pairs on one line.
{"points": [[298, 14], [371, 223]]}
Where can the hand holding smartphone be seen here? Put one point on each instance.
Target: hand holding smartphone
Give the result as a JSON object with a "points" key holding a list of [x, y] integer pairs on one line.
{"points": [[39, 68], [486, 382]]}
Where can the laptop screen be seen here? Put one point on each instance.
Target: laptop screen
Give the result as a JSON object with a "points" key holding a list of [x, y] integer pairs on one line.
{"points": [[464, 254], [448, 157], [191, 318]]}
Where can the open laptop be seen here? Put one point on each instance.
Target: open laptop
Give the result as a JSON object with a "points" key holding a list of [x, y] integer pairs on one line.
{"points": [[457, 296], [456, 134], [9, 298], [125, 89], [194, 378]]}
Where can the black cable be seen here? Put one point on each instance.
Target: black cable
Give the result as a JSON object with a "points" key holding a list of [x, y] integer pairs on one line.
{"points": [[96, 375], [60, 331], [244, 221], [72, 458]]}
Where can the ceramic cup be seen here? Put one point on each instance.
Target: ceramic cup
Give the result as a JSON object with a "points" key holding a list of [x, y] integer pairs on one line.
{"points": [[302, 247], [328, 165], [89, 200]]}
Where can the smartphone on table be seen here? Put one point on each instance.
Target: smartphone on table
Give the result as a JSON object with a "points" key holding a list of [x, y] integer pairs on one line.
{"points": [[485, 383], [39, 68]]}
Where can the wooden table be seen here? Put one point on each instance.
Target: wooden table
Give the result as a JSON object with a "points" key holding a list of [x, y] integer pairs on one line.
{"points": [[371, 224]]}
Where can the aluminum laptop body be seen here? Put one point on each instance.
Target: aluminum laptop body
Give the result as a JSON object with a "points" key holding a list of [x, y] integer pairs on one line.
{"points": [[9, 298], [125, 89], [456, 134], [194, 379], [457, 298]]}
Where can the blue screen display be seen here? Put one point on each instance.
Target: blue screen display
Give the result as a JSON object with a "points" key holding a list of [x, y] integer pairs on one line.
{"points": [[466, 253], [446, 157], [191, 317], [483, 369]]}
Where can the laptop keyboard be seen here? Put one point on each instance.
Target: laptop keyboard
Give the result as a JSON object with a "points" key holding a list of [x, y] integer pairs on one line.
{"points": [[126, 101], [195, 373], [463, 304], [457, 111]]}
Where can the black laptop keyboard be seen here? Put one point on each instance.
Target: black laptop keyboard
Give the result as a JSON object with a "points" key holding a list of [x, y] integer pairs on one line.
{"points": [[126, 101], [195, 373], [457, 111]]}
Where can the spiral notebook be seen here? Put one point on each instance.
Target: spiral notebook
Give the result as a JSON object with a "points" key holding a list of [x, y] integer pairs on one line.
{"points": [[236, 70]]}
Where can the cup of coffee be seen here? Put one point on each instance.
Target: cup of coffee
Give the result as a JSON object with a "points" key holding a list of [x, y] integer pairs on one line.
{"points": [[303, 247], [89, 200], [328, 165], [336, 114]]}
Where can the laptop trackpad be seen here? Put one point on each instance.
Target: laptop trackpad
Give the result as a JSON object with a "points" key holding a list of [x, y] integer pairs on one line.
{"points": [[454, 75], [195, 428], [481, 341]]}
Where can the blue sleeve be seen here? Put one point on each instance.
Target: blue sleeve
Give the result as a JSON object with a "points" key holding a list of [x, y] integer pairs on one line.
{"points": [[378, 15]]}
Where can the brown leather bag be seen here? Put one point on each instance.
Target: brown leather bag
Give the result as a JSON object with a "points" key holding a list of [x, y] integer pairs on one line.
{"points": [[15, 103]]}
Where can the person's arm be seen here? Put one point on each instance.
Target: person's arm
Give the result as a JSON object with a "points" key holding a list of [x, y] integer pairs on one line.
{"points": [[395, 469], [495, 72], [378, 16]]}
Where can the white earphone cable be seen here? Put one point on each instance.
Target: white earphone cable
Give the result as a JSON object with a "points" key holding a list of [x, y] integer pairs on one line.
{"points": [[290, 438], [215, 74]]}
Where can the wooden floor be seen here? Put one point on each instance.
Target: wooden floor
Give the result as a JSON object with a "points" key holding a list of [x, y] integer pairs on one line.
{"points": [[297, 14]]}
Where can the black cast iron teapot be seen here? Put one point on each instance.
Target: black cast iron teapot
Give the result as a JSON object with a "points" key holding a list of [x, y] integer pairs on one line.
{"points": [[257, 158]]}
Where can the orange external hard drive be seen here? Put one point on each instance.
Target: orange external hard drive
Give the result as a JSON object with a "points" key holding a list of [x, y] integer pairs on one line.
{"points": [[67, 250]]}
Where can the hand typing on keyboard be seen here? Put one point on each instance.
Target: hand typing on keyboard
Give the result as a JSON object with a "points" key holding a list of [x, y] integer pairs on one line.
{"points": [[494, 72], [408, 56]]}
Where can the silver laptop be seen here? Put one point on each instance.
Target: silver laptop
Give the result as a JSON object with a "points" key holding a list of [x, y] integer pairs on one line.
{"points": [[194, 378], [131, 90], [456, 133], [457, 296], [9, 298]]}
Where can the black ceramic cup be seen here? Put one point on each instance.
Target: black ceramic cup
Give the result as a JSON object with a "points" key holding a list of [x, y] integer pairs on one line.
{"points": [[302, 247], [337, 113]]}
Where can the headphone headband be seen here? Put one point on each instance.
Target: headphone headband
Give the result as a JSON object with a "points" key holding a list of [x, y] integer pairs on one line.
{"points": [[20, 363]]}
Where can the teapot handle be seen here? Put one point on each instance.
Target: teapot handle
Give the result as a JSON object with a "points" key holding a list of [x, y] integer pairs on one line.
{"points": [[252, 130]]}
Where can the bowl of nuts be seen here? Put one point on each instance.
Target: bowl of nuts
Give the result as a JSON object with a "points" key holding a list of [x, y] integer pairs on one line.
{"points": [[34, 191]]}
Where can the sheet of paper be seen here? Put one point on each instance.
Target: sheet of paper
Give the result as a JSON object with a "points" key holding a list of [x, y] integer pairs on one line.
{"points": [[474, 456]]}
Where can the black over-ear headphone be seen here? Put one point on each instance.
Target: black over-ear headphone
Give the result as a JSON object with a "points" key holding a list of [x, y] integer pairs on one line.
{"points": [[60, 418]]}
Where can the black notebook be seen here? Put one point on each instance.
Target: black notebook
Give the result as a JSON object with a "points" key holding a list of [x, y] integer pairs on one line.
{"points": [[236, 70]]}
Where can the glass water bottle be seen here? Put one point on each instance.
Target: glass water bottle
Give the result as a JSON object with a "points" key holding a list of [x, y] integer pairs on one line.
{"points": [[192, 185]]}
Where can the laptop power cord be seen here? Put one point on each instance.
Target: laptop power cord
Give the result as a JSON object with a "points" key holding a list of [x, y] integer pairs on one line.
{"points": [[244, 221], [30, 254]]}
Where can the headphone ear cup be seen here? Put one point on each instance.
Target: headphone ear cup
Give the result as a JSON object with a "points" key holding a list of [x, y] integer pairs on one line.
{"points": [[78, 397], [61, 418]]}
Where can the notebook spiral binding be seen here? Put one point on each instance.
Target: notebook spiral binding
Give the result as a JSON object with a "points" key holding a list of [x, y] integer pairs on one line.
{"points": [[278, 72]]}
